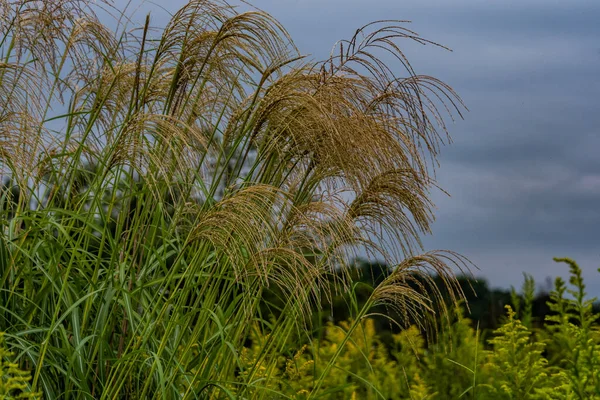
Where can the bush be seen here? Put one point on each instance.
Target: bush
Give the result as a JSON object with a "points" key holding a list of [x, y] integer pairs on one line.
{"points": [[559, 360]]}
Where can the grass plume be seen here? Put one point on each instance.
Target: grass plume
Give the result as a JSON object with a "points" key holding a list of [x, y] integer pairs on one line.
{"points": [[155, 186]]}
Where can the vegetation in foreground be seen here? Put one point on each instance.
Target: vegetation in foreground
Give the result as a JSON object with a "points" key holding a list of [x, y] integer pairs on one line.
{"points": [[524, 358], [178, 204], [157, 182]]}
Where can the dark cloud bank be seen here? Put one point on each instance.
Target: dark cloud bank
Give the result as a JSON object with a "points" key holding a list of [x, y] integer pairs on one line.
{"points": [[523, 171]]}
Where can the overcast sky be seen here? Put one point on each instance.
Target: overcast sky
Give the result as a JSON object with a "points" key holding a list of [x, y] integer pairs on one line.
{"points": [[524, 169]]}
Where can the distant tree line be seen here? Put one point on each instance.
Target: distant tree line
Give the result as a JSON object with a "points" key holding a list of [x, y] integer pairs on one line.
{"points": [[483, 305]]}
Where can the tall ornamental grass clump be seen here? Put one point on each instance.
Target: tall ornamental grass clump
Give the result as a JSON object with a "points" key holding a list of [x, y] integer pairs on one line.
{"points": [[157, 182]]}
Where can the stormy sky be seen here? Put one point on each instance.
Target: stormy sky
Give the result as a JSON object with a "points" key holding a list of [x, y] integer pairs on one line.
{"points": [[523, 170]]}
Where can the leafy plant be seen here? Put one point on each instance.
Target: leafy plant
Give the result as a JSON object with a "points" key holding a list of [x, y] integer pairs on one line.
{"points": [[457, 363], [14, 383], [516, 365], [453, 361], [574, 334]]}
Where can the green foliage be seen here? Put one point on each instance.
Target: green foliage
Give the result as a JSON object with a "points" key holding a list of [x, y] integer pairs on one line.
{"points": [[523, 303], [459, 363], [558, 326], [453, 361], [515, 364], [528, 296], [574, 334], [363, 369], [14, 382]]}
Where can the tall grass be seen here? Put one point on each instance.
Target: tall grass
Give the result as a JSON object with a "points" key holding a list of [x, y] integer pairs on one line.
{"points": [[157, 182]]}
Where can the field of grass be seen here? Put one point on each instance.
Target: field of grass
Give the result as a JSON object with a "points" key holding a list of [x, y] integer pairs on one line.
{"points": [[178, 203]]}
